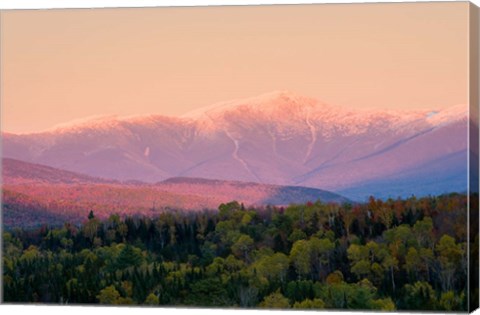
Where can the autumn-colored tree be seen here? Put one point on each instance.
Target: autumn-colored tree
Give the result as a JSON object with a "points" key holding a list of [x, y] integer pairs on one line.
{"points": [[243, 257]]}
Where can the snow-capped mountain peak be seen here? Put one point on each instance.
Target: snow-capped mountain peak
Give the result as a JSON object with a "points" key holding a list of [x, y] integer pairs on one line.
{"points": [[268, 102], [277, 138], [281, 106]]}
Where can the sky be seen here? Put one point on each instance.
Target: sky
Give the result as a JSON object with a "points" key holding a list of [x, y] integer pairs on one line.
{"points": [[63, 65]]}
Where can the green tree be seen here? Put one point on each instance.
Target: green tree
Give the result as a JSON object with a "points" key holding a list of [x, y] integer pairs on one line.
{"points": [[242, 247], [310, 304], [208, 292], [296, 235], [423, 231], [226, 210], [30, 254], [413, 262], [419, 296], [335, 295], [449, 301], [152, 299], [275, 300], [300, 257], [108, 295], [90, 229], [129, 256], [449, 255], [384, 305], [273, 267], [320, 252]]}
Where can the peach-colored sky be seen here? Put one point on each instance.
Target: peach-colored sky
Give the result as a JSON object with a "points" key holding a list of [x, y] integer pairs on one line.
{"points": [[61, 65]]}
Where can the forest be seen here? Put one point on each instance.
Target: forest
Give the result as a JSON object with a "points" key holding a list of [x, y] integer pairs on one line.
{"points": [[395, 254]]}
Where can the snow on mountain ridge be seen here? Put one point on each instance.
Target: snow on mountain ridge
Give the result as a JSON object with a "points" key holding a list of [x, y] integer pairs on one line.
{"points": [[281, 106], [453, 113], [103, 121], [276, 138], [265, 100], [108, 122]]}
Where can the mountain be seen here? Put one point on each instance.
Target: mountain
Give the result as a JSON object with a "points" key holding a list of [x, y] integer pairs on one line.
{"points": [[249, 193], [277, 138], [20, 172], [34, 194]]}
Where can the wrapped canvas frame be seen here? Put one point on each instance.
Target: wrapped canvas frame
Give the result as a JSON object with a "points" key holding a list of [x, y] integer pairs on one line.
{"points": [[474, 155], [473, 162]]}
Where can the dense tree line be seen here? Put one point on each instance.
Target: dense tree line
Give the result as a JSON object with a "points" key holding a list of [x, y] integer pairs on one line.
{"points": [[385, 255]]}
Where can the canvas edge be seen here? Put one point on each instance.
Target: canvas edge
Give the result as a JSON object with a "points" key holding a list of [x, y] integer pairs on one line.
{"points": [[473, 161], [1, 155], [473, 141]]}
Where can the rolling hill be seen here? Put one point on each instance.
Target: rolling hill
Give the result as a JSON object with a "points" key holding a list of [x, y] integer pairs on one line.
{"points": [[34, 194]]}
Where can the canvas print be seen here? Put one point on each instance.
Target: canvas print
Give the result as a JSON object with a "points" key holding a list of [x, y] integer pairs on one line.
{"points": [[282, 156]]}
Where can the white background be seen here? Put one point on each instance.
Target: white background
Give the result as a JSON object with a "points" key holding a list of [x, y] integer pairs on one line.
{"points": [[74, 310]]}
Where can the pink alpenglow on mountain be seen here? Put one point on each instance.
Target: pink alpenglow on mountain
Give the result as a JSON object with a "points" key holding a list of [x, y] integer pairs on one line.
{"points": [[277, 138], [36, 194]]}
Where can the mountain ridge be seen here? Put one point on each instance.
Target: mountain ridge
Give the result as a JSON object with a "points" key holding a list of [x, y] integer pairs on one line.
{"points": [[261, 102], [277, 138]]}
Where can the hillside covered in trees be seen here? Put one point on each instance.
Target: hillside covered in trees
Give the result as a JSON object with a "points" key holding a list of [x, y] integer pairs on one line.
{"points": [[385, 255]]}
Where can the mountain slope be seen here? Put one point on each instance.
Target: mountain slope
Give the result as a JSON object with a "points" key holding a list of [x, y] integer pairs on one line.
{"points": [[37, 193], [20, 172], [277, 138]]}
